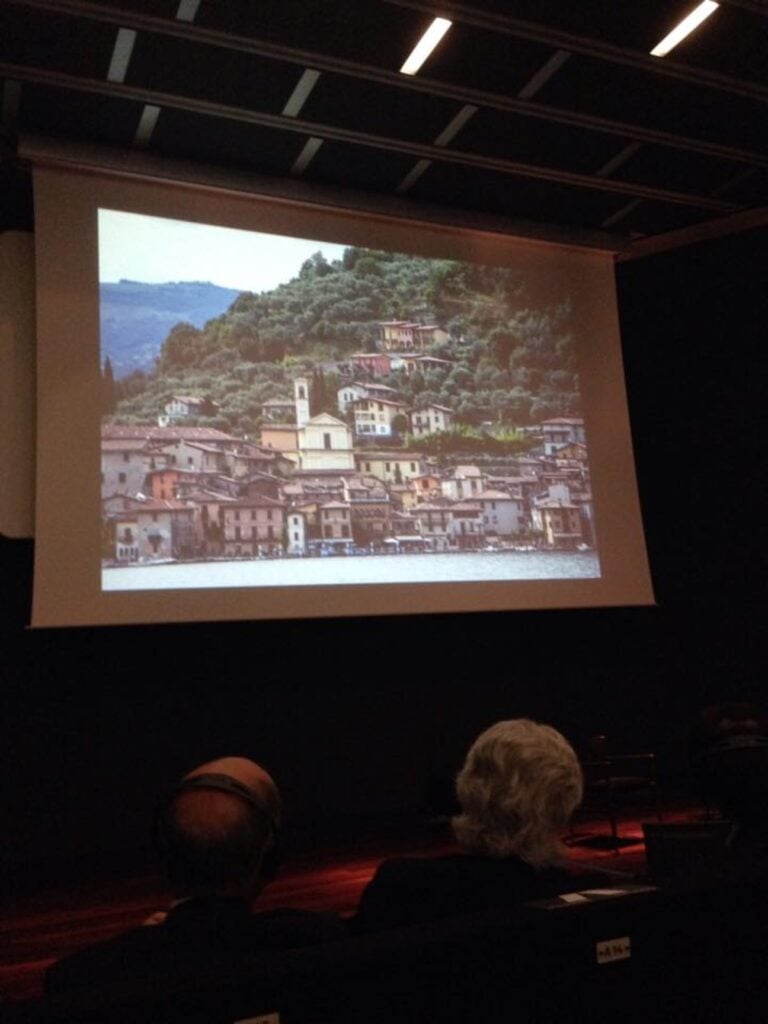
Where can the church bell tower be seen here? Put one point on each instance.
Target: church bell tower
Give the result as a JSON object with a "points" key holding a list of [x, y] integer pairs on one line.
{"points": [[301, 395]]}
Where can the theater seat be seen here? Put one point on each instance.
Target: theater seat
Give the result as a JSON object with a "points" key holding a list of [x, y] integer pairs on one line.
{"points": [[638, 957]]}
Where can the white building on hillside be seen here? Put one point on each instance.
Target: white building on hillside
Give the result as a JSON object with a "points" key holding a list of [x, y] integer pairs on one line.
{"points": [[325, 442], [296, 532], [561, 431], [374, 416], [431, 420], [351, 392], [501, 512], [464, 483]]}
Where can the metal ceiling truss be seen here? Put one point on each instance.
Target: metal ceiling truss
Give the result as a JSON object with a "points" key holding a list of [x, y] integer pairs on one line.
{"points": [[141, 22], [62, 80]]}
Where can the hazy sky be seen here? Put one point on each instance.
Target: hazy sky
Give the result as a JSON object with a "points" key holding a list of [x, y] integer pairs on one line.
{"points": [[156, 250]]}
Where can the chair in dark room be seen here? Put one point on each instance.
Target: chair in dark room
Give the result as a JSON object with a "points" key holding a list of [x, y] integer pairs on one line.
{"points": [[615, 783]]}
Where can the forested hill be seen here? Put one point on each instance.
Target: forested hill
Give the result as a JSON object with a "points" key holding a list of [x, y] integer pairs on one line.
{"points": [[510, 353], [136, 317]]}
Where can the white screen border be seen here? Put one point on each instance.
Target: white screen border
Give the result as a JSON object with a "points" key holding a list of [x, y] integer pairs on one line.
{"points": [[67, 560]]}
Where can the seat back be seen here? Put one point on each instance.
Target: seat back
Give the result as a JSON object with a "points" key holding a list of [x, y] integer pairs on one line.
{"points": [[692, 956], [687, 854]]}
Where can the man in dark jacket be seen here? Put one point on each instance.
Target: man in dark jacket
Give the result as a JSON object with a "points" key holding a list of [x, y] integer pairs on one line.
{"points": [[218, 837]]}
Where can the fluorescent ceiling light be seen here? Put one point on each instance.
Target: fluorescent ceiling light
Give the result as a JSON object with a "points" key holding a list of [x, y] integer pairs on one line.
{"points": [[452, 129], [121, 55], [300, 94], [413, 176], [686, 26], [306, 155], [425, 45], [187, 10], [146, 126]]}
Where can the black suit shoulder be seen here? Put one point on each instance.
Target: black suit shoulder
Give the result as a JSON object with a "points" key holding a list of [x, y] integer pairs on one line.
{"points": [[193, 934], [408, 891]]}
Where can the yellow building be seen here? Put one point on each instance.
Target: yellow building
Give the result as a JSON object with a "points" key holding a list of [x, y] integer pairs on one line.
{"points": [[391, 467]]}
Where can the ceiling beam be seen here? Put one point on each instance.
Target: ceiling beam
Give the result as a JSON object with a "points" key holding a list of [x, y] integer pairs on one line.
{"points": [[718, 227], [506, 25], [141, 22], [141, 165], [209, 108], [545, 73], [753, 6]]}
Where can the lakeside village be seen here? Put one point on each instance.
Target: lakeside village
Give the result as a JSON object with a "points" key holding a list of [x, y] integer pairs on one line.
{"points": [[318, 485]]}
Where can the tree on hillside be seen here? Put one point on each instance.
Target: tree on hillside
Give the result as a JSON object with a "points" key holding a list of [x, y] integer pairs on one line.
{"points": [[135, 383], [108, 390], [416, 382], [181, 348], [502, 343], [316, 266], [317, 394], [208, 407], [400, 424]]}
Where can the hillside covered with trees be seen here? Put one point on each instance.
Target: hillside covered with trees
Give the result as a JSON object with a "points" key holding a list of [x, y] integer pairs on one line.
{"points": [[510, 355]]}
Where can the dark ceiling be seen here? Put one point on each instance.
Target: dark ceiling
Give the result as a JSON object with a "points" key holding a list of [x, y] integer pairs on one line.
{"points": [[547, 110]]}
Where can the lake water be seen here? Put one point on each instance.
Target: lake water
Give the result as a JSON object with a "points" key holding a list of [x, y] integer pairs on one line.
{"points": [[352, 569]]}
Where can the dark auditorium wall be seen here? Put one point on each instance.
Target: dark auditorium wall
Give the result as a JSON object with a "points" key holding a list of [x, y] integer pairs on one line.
{"points": [[355, 717]]}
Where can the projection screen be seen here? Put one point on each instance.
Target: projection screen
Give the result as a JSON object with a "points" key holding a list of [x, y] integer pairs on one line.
{"points": [[373, 415]]}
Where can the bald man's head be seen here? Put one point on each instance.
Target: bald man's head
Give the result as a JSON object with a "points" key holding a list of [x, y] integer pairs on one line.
{"points": [[217, 827]]}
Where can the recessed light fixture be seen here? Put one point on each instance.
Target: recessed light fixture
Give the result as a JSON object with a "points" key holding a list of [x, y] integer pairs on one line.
{"points": [[686, 26], [121, 55], [425, 45]]}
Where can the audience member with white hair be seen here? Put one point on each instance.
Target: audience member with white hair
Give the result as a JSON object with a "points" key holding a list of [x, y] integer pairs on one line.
{"points": [[520, 784]]}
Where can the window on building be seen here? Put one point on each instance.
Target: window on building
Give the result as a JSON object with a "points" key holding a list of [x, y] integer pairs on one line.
{"points": [[126, 457], [326, 441], [121, 478]]}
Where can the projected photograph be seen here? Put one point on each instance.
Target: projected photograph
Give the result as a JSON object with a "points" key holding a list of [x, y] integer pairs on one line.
{"points": [[282, 411]]}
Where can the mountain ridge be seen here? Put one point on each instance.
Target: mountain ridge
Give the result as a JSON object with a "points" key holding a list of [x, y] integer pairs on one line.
{"points": [[136, 316]]}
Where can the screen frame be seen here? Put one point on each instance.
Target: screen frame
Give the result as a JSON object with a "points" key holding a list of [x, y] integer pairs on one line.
{"points": [[68, 495]]}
